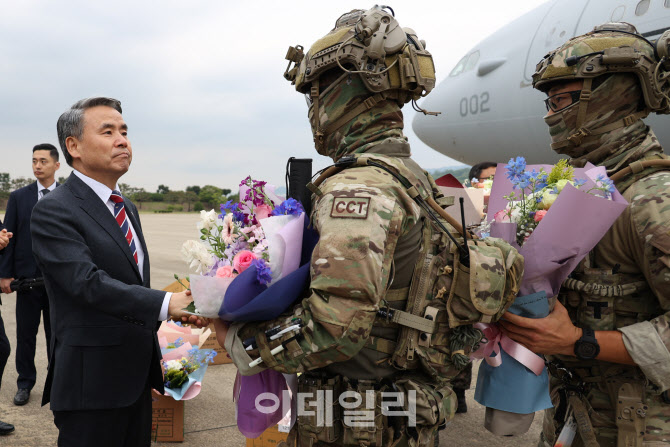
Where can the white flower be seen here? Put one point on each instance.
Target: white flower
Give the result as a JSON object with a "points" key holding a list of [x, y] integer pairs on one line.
{"points": [[173, 365], [207, 219], [196, 256]]}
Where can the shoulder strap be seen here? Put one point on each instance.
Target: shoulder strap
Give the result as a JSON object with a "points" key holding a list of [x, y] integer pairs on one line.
{"points": [[637, 170], [414, 188]]}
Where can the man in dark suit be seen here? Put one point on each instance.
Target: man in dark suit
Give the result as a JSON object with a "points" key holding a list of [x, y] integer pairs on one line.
{"points": [[5, 349], [18, 262], [88, 242]]}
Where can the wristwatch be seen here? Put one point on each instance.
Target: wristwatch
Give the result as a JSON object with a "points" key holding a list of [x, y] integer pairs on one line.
{"points": [[587, 347]]}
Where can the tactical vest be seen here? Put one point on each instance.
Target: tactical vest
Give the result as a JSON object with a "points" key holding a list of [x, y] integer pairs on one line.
{"points": [[606, 300], [452, 286]]}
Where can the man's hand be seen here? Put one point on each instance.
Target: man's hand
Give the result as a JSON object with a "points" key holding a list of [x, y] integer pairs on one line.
{"points": [[4, 285], [554, 334], [178, 303], [5, 236], [221, 328], [196, 320]]}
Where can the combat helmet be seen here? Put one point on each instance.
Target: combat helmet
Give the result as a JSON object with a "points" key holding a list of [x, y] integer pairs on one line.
{"points": [[612, 48], [391, 61]]}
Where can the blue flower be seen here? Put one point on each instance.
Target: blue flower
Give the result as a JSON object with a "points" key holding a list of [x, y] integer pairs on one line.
{"points": [[523, 180], [289, 206], [539, 180], [579, 182], [263, 271], [240, 217], [178, 323], [515, 167], [178, 342]]}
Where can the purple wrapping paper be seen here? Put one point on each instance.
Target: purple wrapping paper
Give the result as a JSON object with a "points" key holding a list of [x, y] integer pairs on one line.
{"points": [[247, 300], [571, 228], [250, 421]]}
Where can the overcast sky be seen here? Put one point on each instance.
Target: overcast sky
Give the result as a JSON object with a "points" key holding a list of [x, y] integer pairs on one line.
{"points": [[200, 81]]}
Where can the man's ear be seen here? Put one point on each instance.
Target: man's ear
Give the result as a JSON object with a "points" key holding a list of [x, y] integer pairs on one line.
{"points": [[73, 145], [57, 165]]}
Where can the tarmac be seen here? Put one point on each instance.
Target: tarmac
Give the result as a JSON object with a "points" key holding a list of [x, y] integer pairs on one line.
{"points": [[209, 418]]}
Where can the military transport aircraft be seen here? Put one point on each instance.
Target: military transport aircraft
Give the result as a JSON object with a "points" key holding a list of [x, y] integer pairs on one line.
{"points": [[490, 112]]}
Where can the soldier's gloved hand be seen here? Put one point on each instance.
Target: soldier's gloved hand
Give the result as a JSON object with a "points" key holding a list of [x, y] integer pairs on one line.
{"points": [[554, 334]]}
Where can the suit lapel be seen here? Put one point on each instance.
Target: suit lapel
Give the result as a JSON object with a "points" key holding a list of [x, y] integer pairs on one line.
{"points": [[32, 198], [140, 237], [94, 207]]}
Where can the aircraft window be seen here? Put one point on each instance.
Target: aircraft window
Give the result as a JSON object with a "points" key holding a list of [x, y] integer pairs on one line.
{"points": [[472, 61], [458, 69], [467, 63], [643, 7]]}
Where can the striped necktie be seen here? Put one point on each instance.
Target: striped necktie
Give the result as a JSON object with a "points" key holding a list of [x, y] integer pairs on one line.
{"points": [[122, 220]]}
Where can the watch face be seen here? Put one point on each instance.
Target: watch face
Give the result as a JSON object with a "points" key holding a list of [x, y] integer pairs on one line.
{"points": [[587, 350]]}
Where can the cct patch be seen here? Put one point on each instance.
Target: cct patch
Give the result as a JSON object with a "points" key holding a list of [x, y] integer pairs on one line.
{"points": [[350, 207]]}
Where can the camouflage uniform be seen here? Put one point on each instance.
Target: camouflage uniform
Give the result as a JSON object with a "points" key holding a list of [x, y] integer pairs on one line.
{"points": [[367, 253], [377, 250], [624, 283]]}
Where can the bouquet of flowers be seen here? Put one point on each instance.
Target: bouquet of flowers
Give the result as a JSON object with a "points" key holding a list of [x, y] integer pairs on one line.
{"points": [[258, 232], [253, 263], [184, 364], [554, 215]]}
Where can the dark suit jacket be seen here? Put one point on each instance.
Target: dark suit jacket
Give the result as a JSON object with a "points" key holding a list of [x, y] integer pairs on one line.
{"points": [[104, 348], [17, 259]]}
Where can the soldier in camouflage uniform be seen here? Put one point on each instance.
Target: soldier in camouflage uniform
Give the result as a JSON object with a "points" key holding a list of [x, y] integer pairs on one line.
{"points": [[376, 318], [614, 381]]}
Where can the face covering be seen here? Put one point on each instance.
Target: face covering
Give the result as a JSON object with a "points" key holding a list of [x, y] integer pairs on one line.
{"points": [[613, 100], [382, 121]]}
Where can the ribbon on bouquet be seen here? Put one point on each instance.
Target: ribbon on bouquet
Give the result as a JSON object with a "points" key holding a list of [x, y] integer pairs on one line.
{"points": [[497, 340]]}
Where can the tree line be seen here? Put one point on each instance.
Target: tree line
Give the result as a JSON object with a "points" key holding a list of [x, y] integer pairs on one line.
{"points": [[193, 198]]}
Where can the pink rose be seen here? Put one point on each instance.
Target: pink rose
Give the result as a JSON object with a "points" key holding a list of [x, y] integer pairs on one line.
{"points": [[262, 211], [243, 260], [224, 272], [539, 215], [501, 216]]}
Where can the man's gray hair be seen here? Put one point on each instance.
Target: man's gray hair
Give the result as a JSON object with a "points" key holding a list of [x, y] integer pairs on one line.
{"points": [[71, 122]]}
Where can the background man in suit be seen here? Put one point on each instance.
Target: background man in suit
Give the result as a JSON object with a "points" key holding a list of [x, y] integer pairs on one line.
{"points": [[18, 262], [5, 349], [88, 241]]}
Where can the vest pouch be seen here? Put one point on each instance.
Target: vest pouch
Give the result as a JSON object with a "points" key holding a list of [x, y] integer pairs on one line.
{"points": [[606, 301], [484, 291], [429, 407], [363, 418], [319, 418]]}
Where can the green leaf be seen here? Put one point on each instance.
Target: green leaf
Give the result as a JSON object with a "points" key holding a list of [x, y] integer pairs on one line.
{"points": [[190, 307]]}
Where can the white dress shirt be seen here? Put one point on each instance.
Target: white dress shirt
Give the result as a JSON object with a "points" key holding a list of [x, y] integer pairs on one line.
{"points": [[105, 193], [40, 188]]}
